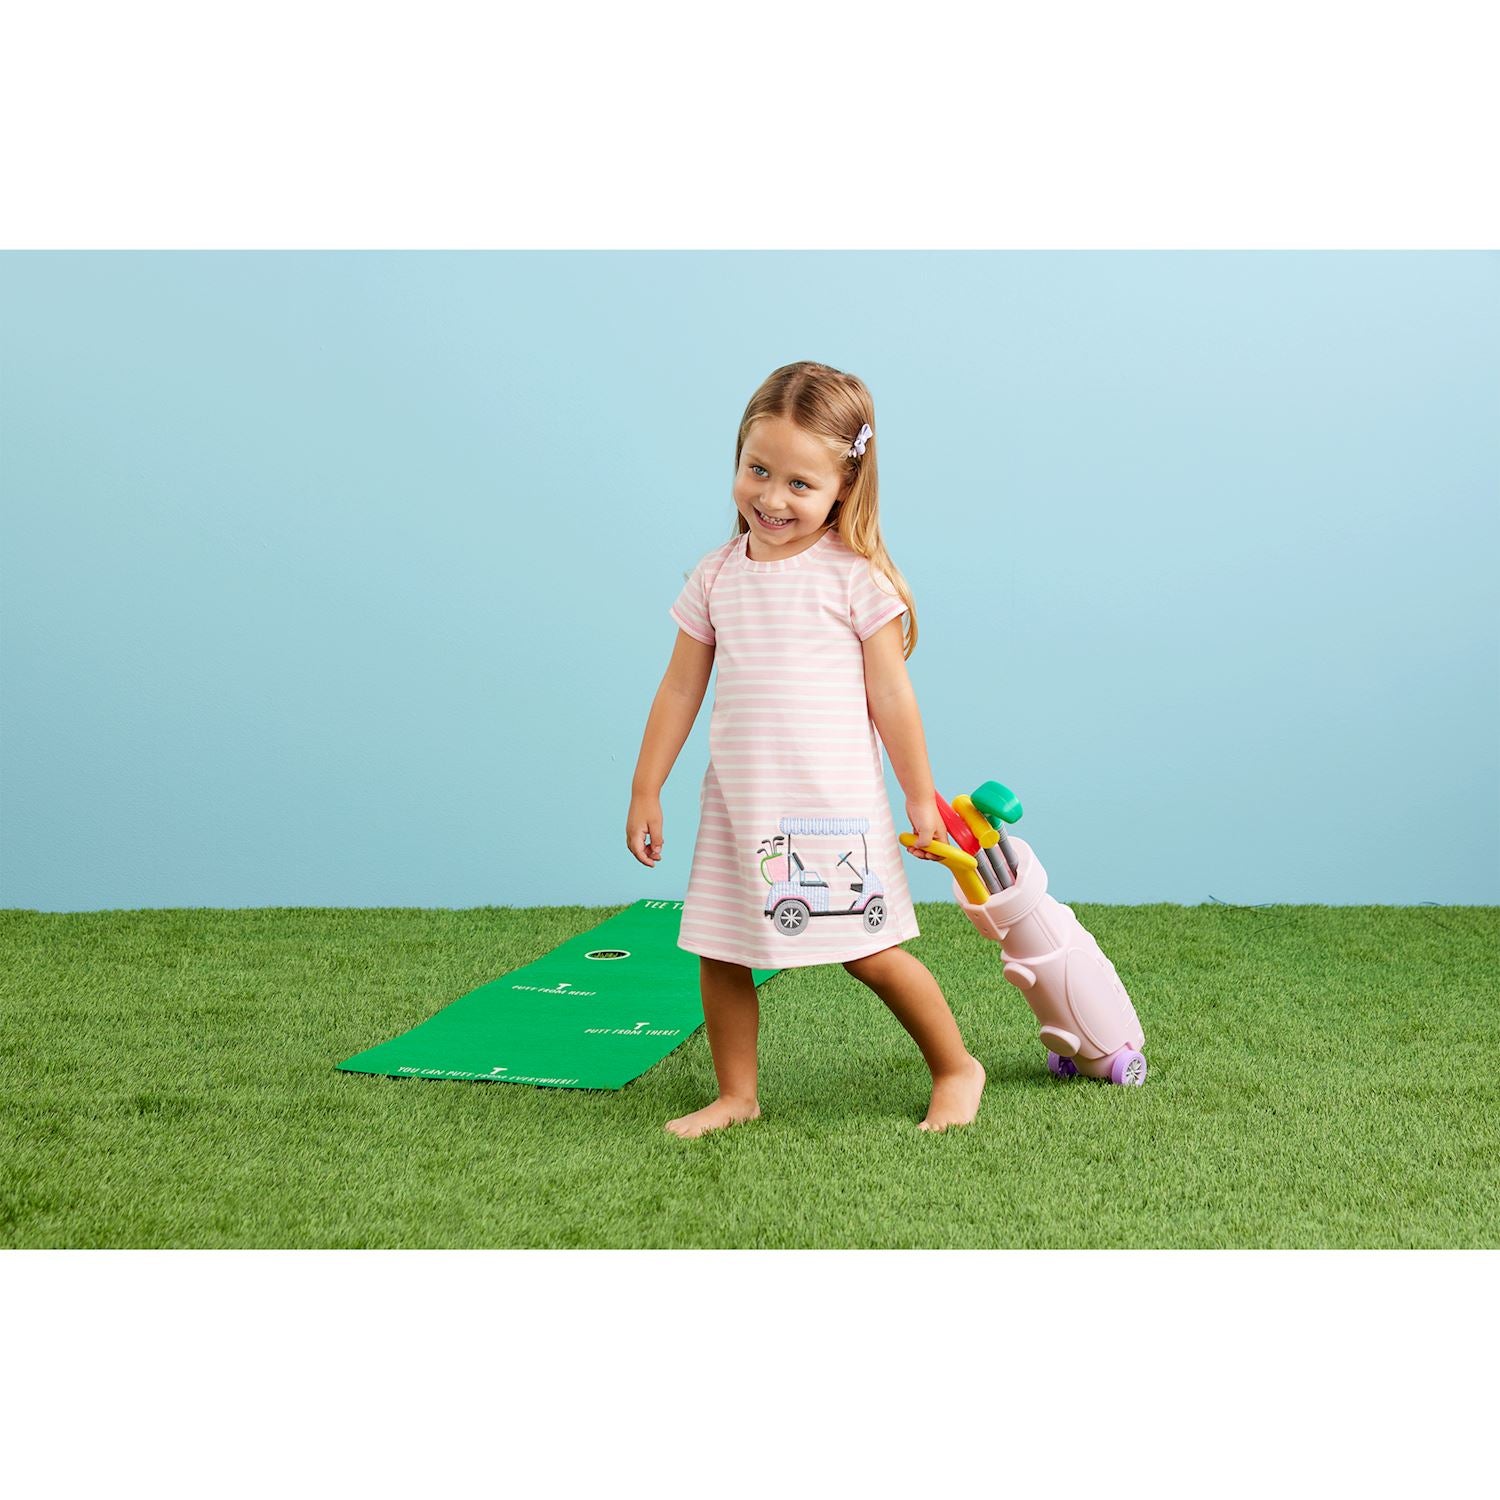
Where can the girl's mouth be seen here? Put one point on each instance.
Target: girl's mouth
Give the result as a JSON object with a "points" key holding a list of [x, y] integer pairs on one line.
{"points": [[768, 523]]}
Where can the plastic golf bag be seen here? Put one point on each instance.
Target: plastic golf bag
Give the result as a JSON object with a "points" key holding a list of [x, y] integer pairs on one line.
{"points": [[1088, 1024]]}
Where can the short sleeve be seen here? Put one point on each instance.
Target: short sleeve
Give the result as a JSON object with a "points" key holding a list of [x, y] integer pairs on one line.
{"points": [[872, 603], [691, 609]]}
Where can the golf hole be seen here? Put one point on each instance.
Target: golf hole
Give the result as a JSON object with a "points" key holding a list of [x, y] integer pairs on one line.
{"points": [[608, 953]]}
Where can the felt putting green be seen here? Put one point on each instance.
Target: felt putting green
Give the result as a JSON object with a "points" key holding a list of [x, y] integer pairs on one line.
{"points": [[594, 1013]]}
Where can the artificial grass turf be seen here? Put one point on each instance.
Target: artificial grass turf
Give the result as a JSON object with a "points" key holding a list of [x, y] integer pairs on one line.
{"points": [[1319, 1077]]}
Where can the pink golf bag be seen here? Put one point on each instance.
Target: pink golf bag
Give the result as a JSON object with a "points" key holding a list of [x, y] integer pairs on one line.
{"points": [[1088, 1024]]}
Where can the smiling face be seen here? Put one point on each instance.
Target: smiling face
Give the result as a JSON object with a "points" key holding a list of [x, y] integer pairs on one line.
{"points": [[785, 476]]}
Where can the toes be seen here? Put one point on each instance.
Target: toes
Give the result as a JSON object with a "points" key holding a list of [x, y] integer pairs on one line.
{"points": [[689, 1127]]}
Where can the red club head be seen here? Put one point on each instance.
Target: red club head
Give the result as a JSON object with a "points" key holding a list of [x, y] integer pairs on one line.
{"points": [[960, 831]]}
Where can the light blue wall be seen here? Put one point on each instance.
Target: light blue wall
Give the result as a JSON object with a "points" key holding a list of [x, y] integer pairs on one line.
{"points": [[342, 578]]}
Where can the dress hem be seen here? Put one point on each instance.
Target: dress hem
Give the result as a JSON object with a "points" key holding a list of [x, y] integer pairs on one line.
{"points": [[885, 942]]}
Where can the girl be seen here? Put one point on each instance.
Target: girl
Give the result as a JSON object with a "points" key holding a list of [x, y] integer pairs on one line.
{"points": [[797, 860]]}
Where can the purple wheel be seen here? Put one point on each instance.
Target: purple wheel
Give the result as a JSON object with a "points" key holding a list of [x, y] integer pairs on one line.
{"points": [[1128, 1067], [1063, 1067]]}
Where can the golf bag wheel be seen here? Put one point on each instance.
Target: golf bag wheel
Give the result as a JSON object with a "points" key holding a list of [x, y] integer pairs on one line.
{"points": [[1063, 1067], [875, 915], [791, 916], [1128, 1067]]}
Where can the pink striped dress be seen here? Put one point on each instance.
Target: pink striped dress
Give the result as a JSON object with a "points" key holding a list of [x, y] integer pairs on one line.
{"points": [[796, 861]]}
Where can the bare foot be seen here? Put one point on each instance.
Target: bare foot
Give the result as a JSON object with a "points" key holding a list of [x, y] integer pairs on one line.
{"points": [[955, 1098], [715, 1116]]}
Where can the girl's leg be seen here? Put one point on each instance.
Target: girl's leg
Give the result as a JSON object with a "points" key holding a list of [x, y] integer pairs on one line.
{"points": [[731, 1012], [906, 985]]}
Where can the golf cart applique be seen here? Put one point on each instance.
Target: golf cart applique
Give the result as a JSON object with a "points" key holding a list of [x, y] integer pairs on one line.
{"points": [[797, 894]]}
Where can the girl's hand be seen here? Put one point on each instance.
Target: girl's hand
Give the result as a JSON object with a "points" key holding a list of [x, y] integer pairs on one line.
{"points": [[926, 824], [644, 818]]}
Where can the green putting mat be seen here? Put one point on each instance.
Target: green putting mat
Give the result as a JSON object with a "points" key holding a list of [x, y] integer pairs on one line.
{"points": [[591, 1014]]}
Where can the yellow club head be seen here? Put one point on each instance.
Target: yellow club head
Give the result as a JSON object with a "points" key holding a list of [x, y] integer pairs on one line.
{"points": [[979, 825], [955, 859], [961, 865]]}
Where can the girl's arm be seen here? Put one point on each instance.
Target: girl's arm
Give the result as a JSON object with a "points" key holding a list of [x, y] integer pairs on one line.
{"points": [[676, 706], [893, 707], [673, 711]]}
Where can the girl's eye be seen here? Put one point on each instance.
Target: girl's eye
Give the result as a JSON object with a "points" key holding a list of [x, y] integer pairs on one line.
{"points": [[756, 468]]}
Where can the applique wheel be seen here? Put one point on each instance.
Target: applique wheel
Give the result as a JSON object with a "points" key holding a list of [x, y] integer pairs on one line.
{"points": [[1128, 1067], [875, 915], [1063, 1067], [791, 916]]}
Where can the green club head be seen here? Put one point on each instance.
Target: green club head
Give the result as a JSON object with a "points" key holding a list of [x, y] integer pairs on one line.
{"points": [[998, 803]]}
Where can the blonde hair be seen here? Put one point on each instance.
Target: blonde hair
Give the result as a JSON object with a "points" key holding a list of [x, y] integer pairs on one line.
{"points": [[832, 406]]}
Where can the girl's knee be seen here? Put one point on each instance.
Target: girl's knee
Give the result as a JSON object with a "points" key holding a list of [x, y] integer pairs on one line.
{"points": [[871, 965], [721, 966]]}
